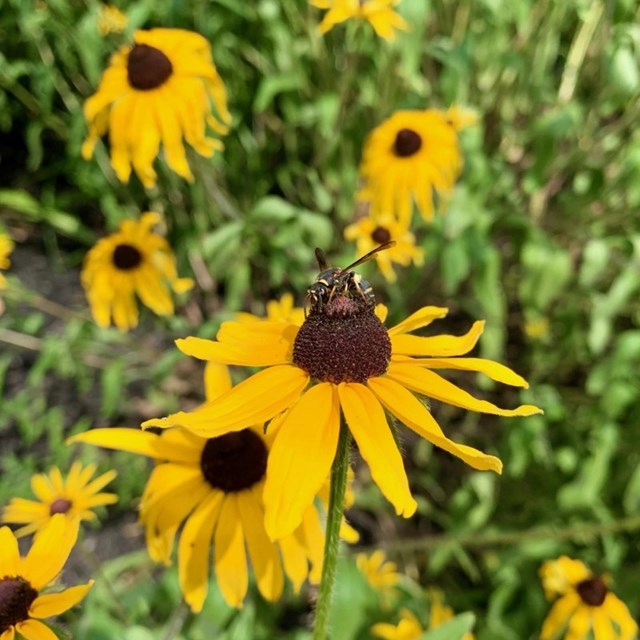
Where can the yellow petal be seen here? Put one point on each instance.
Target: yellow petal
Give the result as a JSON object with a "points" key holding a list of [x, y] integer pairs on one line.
{"points": [[9, 553], [371, 431], [559, 615], [230, 557], [9, 634], [443, 345], [602, 627], [194, 549], [579, 624], [494, 370], [619, 613], [411, 412], [53, 604], [293, 479], [42, 488], [254, 401], [434, 386], [311, 532], [421, 318], [216, 380], [264, 555], [294, 560], [35, 630], [49, 551]]}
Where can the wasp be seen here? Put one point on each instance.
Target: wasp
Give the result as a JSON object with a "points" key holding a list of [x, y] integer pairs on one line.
{"points": [[337, 281]]}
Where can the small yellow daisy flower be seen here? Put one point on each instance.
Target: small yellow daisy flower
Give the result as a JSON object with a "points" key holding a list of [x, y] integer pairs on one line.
{"points": [[282, 309], [583, 604], [341, 359], [369, 233], [409, 628], [6, 247], [162, 89], [75, 497], [378, 13], [134, 260], [111, 20], [407, 158], [22, 606], [214, 486], [439, 612], [381, 574]]}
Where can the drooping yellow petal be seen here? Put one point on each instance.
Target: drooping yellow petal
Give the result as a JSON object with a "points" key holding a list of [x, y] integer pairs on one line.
{"points": [[369, 427], [293, 479], [491, 369], [194, 549], [53, 604], [619, 613], [602, 627], [9, 553], [35, 630], [253, 401], [442, 345], [411, 412], [579, 624], [216, 380], [294, 560], [421, 318], [434, 386], [559, 615], [264, 555], [230, 557], [49, 551]]}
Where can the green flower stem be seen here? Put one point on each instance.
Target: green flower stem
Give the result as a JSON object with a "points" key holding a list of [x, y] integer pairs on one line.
{"points": [[332, 536]]}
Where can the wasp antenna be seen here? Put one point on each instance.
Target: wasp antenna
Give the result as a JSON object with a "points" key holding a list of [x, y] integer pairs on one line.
{"points": [[368, 256], [321, 258]]}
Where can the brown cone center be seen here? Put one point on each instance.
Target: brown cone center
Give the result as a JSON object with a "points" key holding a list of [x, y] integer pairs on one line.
{"points": [[147, 67], [592, 591], [235, 461], [344, 342], [407, 143], [126, 257], [381, 235], [16, 596], [59, 506]]}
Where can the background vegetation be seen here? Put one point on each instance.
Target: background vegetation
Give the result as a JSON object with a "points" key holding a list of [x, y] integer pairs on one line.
{"points": [[542, 239]]}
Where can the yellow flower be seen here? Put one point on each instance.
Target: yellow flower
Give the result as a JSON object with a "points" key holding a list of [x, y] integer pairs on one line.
{"points": [[382, 576], [22, 607], [439, 613], [75, 497], [111, 20], [6, 247], [371, 232], [342, 359], [409, 628], [215, 486], [161, 89], [134, 260], [282, 309], [584, 603], [407, 158], [378, 13], [537, 328]]}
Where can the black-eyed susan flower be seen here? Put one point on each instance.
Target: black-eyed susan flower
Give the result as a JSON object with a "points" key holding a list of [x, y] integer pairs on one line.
{"points": [[341, 359], [74, 496], [214, 487], [133, 261], [380, 573], [282, 309], [408, 158], [6, 247], [22, 580], [162, 89], [111, 20], [378, 13], [439, 612], [583, 604], [409, 628], [369, 233]]}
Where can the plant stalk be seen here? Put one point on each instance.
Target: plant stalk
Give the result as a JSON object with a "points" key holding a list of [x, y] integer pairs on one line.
{"points": [[332, 535]]}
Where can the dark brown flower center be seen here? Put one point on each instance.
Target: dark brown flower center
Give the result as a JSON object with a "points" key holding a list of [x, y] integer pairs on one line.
{"points": [[60, 506], [344, 342], [235, 461], [126, 257], [16, 596], [147, 67], [407, 143], [592, 591], [381, 235]]}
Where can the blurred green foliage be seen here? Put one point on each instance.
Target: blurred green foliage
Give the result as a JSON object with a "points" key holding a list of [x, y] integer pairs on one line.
{"points": [[542, 239]]}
